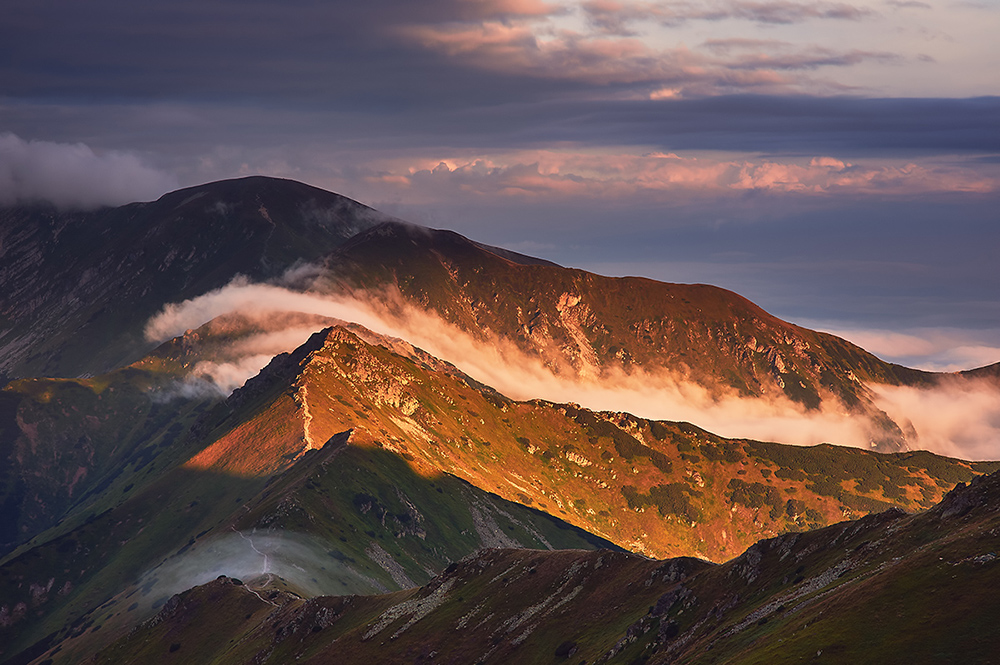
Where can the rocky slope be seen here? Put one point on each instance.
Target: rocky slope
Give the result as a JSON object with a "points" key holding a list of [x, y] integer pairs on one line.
{"points": [[359, 464], [655, 487], [76, 290]]}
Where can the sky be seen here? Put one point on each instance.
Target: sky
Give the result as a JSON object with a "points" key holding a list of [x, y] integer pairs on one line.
{"points": [[836, 162]]}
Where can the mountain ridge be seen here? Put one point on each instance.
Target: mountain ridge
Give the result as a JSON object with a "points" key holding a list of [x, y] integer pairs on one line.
{"points": [[357, 463]]}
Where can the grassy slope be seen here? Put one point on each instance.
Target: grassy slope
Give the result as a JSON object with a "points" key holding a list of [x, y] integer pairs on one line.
{"points": [[418, 427], [72, 447]]}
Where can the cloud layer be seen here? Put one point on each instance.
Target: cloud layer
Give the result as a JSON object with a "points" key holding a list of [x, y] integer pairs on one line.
{"points": [[378, 51]]}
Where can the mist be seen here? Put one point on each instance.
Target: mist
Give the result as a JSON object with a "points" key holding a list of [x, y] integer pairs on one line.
{"points": [[71, 175], [214, 380], [662, 396]]}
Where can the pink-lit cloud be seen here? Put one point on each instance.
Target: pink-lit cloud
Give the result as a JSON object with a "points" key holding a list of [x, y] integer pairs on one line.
{"points": [[503, 8], [500, 364], [551, 174], [934, 349], [958, 417], [517, 49]]}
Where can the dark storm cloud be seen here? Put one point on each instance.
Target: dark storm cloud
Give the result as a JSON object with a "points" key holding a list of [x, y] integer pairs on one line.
{"points": [[217, 49], [378, 55], [764, 124], [261, 73]]}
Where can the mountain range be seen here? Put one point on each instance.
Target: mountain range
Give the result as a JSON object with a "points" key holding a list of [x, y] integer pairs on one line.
{"points": [[207, 458]]}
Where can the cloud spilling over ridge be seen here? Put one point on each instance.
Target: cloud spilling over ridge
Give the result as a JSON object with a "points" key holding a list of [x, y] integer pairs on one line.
{"points": [[72, 175], [250, 344], [958, 418], [501, 365], [215, 380]]}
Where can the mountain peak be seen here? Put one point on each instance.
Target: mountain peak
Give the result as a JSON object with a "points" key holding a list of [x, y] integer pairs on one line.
{"points": [[86, 281], [265, 191]]}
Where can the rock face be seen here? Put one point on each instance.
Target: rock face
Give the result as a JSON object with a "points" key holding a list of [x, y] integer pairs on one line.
{"points": [[76, 288], [980, 494]]}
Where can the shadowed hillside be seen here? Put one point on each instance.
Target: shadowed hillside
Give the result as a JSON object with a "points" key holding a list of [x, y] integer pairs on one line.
{"points": [[886, 588]]}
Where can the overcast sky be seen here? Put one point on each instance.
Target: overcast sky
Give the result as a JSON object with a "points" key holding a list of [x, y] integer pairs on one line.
{"points": [[836, 162]]}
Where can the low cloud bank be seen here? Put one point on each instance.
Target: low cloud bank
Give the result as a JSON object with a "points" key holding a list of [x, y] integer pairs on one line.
{"points": [[932, 349], [72, 175], [498, 363]]}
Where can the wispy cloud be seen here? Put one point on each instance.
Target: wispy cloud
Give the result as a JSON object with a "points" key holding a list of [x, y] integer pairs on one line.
{"points": [[498, 363], [73, 175], [779, 55], [907, 4], [959, 418]]}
